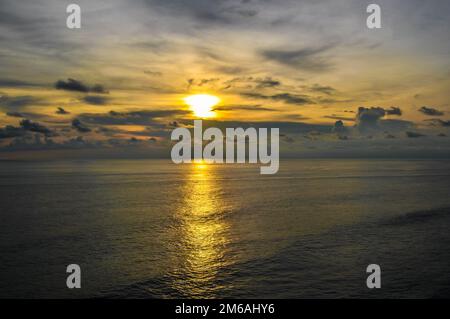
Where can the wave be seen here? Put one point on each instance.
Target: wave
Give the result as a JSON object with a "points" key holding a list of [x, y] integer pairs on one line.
{"points": [[421, 216]]}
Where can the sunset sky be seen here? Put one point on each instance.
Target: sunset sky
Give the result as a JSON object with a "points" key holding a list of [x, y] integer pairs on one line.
{"points": [[120, 81]]}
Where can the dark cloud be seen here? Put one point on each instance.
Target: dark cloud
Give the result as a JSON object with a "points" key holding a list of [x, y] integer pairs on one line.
{"points": [[71, 85], [17, 102], [61, 111], [28, 125], [284, 97], [430, 111], [34, 142], [220, 12], [414, 134], [250, 82], [323, 89], [308, 59], [97, 88], [394, 111], [95, 99], [267, 82], [14, 114], [367, 118], [29, 115], [444, 123], [131, 118], [341, 118], [339, 127], [10, 131], [78, 86], [76, 124], [439, 122], [16, 83], [394, 125]]}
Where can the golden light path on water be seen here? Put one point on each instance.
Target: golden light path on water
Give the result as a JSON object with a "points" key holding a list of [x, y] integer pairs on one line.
{"points": [[204, 233]]}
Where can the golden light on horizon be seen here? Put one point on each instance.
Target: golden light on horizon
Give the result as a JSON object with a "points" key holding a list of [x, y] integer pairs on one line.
{"points": [[202, 104]]}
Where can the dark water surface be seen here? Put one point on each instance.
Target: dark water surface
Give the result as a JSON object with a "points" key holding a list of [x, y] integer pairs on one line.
{"points": [[151, 229]]}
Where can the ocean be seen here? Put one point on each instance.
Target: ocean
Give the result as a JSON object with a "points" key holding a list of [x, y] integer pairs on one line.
{"points": [[153, 229]]}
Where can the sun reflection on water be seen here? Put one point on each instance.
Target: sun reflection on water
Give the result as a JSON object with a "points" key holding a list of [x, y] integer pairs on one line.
{"points": [[204, 234]]}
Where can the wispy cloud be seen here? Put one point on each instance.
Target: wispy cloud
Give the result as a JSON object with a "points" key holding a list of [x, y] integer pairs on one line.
{"points": [[430, 111], [308, 59], [283, 97]]}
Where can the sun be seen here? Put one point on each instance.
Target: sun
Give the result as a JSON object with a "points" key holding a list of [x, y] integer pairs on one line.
{"points": [[202, 104]]}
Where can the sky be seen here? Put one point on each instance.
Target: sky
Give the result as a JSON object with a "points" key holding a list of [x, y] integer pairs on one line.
{"points": [[115, 87]]}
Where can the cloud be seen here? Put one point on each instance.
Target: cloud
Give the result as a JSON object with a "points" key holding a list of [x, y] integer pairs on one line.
{"points": [[284, 97], [394, 111], [61, 111], [267, 82], [394, 125], [255, 108], [174, 124], [97, 88], [28, 125], [369, 117], [430, 111], [219, 12], [200, 82], [71, 85], [440, 122], [284, 126], [14, 114], [414, 134], [307, 59], [131, 118], [95, 99], [17, 102], [328, 90], [339, 127], [250, 82], [76, 124], [16, 83], [78, 86], [337, 117], [10, 131]]}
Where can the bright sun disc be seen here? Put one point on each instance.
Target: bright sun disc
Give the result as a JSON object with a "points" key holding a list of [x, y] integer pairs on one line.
{"points": [[202, 104]]}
